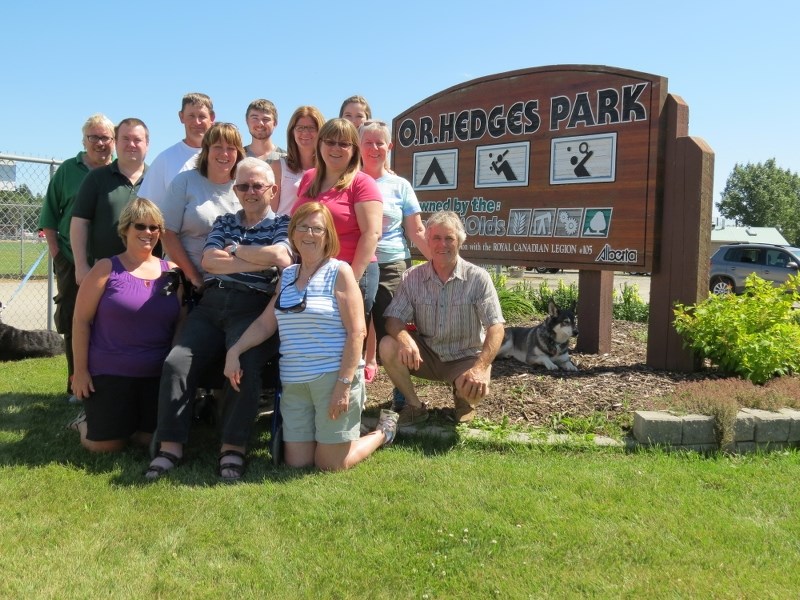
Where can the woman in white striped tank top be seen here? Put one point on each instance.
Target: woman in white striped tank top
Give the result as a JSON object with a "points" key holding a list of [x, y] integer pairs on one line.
{"points": [[319, 316]]}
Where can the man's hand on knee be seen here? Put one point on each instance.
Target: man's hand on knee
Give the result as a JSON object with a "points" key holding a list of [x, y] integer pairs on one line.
{"points": [[473, 385], [408, 353]]}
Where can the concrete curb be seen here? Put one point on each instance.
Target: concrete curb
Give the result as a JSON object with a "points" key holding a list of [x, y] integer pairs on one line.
{"points": [[754, 429]]}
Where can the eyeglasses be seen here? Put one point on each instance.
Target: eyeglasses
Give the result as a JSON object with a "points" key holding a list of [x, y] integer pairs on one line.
{"points": [[374, 122], [310, 228], [334, 143], [246, 187], [150, 228], [104, 139], [305, 129], [297, 308]]}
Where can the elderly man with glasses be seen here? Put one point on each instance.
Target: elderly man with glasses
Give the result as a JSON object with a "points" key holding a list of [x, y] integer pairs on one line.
{"points": [[54, 221], [243, 253]]}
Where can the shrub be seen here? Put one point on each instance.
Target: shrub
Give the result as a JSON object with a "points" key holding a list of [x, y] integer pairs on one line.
{"points": [[539, 296], [755, 336], [628, 304], [515, 305]]}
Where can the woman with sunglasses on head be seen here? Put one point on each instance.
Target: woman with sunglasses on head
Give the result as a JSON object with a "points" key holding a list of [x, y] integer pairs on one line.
{"points": [[353, 199], [125, 319], [401, 219], [198, 196], [319, 317], [301, 136]]}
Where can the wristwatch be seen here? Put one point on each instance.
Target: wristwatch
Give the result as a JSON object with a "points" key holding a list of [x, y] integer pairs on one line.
{"points": [[234, 248], [344, 380]]}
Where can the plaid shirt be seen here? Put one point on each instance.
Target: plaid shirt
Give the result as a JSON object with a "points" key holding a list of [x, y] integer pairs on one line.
{"points": [[451, 317]]}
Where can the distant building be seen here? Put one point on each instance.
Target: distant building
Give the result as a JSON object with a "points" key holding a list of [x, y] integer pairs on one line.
{"points": [[722, 234], [8, 175]]}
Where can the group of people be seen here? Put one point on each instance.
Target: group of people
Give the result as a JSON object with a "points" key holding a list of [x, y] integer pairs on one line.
{"points": [[300, 254]]}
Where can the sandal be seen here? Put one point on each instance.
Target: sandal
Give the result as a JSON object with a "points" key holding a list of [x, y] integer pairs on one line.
{"points": [[236, 467], [81, 418], [155, 471]]}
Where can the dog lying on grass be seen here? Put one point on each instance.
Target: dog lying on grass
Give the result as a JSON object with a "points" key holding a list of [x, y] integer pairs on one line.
{"points": [[547, 344], [18, 344]]}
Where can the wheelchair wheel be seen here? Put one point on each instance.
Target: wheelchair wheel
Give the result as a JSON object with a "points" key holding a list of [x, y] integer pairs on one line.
{"points": [[276, 445]]}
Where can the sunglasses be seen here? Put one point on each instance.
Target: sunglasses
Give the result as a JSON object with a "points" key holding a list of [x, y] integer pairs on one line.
{"points": [[296, 308], [103, 139], [150, 228], [305, 129], [246, 187], [334, 143]]}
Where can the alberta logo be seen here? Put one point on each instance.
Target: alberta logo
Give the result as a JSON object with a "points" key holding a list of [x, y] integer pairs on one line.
{"points": [[610, 255]]}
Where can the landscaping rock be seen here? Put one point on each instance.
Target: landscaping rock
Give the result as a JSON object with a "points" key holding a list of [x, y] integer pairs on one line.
{"points": [[744, 430], [656, 427], [698, 430], [769, 426], [794, 429]]}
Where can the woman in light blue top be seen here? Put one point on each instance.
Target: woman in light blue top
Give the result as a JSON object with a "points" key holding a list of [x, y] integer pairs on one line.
{"points": [[401, 218], [319, 316]]}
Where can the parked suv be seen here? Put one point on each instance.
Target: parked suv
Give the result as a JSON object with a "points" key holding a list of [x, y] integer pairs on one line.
{"points": [[731, 265]]}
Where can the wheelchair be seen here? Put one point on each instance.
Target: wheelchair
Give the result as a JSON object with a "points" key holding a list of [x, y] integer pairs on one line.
{"points": [[209, 409]]}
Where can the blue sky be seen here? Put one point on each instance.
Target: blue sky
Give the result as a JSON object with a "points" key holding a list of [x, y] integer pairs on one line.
{"points": [[734, 63]]}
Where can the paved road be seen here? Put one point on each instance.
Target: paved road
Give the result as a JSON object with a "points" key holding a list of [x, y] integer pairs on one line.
{"points": [[25, 307], [568, 277]]}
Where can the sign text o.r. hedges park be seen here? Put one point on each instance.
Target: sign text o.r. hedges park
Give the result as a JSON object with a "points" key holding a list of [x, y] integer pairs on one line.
{"points": [[549, 166]]}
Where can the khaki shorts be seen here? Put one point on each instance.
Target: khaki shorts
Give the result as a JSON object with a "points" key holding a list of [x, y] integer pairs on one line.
{"points": [[304, 408], [435, 369]]}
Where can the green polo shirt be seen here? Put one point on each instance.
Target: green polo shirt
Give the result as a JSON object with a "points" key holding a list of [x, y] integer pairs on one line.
{"points": [[57, 208], [103, 194]]}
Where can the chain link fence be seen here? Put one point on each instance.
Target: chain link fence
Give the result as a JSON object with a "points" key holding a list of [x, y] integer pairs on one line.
{"points": [[26, 283]]}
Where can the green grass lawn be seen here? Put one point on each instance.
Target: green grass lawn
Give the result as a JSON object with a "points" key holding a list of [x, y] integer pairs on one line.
{"points": [[421, 519], [16, 258]]}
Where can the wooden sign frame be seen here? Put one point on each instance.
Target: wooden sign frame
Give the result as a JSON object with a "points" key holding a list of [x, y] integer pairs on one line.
{"points": [[554, 166]]}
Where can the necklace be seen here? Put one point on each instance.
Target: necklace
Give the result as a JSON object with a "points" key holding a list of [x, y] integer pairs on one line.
{"points": [[307, 278]]}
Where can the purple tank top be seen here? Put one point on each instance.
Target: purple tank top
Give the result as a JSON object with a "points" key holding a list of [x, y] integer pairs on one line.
{"points": [[133, 326]]}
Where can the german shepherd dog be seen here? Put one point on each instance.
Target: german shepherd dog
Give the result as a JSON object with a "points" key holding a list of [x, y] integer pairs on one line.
{"points": [[547, 344], [17, 344]]}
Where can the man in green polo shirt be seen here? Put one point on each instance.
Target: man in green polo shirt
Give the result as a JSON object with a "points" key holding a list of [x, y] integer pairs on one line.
{"points": [[54, 220], [102, 196]]}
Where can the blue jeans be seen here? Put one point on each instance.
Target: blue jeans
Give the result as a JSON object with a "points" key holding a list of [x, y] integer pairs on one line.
{"points": [[369, 287], [209, 330]]}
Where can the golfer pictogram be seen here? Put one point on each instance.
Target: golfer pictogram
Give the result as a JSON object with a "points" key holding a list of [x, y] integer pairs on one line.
{"points": [[580, 168], [501, 166]]}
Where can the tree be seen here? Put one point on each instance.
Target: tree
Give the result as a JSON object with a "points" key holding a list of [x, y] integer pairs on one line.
{"points": [[763, 195], [19, 210]]}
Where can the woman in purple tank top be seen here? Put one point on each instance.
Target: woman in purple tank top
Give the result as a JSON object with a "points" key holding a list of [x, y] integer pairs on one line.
{"points": [[126, 315]]}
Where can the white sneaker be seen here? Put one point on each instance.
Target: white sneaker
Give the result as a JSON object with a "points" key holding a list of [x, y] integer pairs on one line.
{"points": [[387, 423]]}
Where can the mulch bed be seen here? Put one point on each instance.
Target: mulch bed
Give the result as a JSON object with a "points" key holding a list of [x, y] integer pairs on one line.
{"points": [[614, 383]]}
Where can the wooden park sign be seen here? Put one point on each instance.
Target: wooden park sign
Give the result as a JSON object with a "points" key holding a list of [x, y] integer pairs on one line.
{"points": [[547, 166], [571, 166]]}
